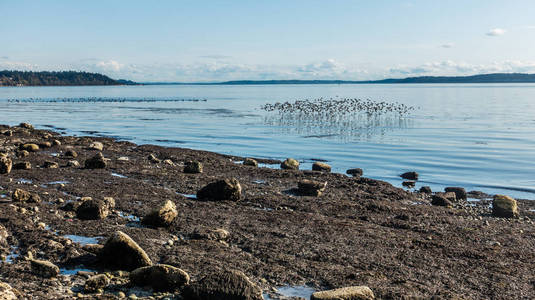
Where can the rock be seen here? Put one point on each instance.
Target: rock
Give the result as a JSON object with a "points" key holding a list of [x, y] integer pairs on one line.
{"points": [[73, 163], [8, 133], [223, 285], [449, 195], [346, 293], [426, 190], [5, 165], [193, 167], [44, 268], [409, 175], [504, 206], [227, 189], [212, 234], [250, 162], [308, 187], [56, 143], [50, 165], [96, 162], [121, 252], [20, 195], [92, 210], [154, 159], [45, 145], [168, 162], [23, 165], [71, 153], [290, 164], [440, 200], [96, 282], [34, 198], [109, 202], [71, 206], [162, 216], [93, 248], [460, 193], [30, 147], [7, 292], [409, 184], [356, 172], [22, 153], [320, 166], [160, 277], [26, 126], [96, 146]]}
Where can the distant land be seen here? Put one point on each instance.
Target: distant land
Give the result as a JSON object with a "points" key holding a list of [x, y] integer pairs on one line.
{"points": [[73, 78], [63, 78]]}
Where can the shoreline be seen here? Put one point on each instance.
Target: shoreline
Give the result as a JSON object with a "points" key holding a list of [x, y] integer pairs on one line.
{"points": [[360, 231]]}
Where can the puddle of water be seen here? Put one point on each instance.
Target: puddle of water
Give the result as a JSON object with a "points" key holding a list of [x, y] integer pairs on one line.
{"points": [[65, 271], [58, 182], [24, 181], [128, 216], [12, 256], [302, 291], [54, 154], [118, 175], [83, 240], [3, 196], [271, 166], [259, 181], [473, 200], [189, 196]]}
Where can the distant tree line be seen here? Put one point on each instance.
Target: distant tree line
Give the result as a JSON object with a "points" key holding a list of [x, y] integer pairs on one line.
{"points": [[69, 78]]}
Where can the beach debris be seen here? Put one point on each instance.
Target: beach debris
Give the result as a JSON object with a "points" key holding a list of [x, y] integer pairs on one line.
{"points": [[321, 166], [346, 293], [308, 187], [426, 189], [5, 165], [409, 175], [161, 216], [460, 193], [226, 189], [96, 162], [23, 165], [250, 162], [193, 167], [290, 164], [355, 172], [160, 277], [30, 147], [153, 159], [96, 146], [44, 268], [223, 284], [504, 206], [121, 252], [96, 282]]}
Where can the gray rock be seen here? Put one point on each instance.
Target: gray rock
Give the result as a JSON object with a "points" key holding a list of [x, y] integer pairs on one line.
{"points": [[92, 210], [227, 189], [30, 147], [426, 190], [440, 200], [409, 175], [193, 167], [320, 166], [346, 293], [356, 172], [26, 125], [504, 207], [96, 282], [96, 146], [71, 153], [211, 234], [223, 285], [290, 164], [161, 216], [460, 193], [20, 195], [45, 145], [5, 165], [23, 165], [73, 163], [122, 252], [50, 165], [250, 162], [160, 277], [96, 162], [44, 268], [308, 187], [408, 183]]}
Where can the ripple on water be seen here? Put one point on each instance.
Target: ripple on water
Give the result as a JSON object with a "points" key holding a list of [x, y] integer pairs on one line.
{"points": [[118, 175], [74, 271]]}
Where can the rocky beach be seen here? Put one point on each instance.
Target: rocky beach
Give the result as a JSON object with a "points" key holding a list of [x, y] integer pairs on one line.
{"points": [[97, 218]]}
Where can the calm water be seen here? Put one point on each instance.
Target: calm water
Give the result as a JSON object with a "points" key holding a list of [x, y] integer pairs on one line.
{"points": [[476, 136]]}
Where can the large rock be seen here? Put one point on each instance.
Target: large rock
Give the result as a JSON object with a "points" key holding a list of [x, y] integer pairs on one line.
{"points": [[504, 206], [160, 277], [308, 187], [250, 162], [193, 167], [223, 285], [20, 195], [92, 210], [96, 162], [290, 164], [96, 282], [5, 165], [26, 125], [30, 147], [227, 189], [50, 165], [460, 193], [161, 216], [426, 189], [44, 268], [71, 153], [23, 165], [122, 252], [347, 293], [409, 175], [7, 292], [96, 146], [356, 172], [320, 166], [440, 200]]}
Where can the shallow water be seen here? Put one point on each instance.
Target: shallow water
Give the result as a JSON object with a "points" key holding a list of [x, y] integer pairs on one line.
{"points": [[83, 240], [302, 291], [479, 136]]}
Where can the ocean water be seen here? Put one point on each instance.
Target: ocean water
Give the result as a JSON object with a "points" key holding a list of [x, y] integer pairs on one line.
{"points": [[478, 136]]}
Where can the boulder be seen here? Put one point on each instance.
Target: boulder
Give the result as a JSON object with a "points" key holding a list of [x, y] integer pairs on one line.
{"points": [[71, 153], [308, 187], [26, 125], [409, 175], [122, 252], [56, 143], [460, 193], [109, 202], [160, 277], [96, 146], [96, 282], [93, 248], [20, 195], [504, 207], [440, 200], [22, 153], [250, 162], [30, 147], [223, 285], [154, 159], [408, 183], [23, 165], [161, 216], [50, 165], [193, 167], [7, 292], [73, 163], [346, 293], [320, 166], [290, 164], [44, 268], [356, 172], [227, 189], [45, 144], [92, 210], [426, 190], [5, 165], [96, 162]]}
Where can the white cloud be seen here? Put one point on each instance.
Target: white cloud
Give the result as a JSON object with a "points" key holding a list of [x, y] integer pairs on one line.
{"points": [[496, 32], [110, 65], [17, 65], [451, 68], [447, 45]]}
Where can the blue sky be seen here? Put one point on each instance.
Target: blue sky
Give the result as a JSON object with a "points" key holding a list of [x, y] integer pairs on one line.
{"points": [[229, 40]]}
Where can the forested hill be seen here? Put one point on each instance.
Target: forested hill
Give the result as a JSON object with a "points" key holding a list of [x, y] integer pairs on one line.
{"points": [[29, 78]]}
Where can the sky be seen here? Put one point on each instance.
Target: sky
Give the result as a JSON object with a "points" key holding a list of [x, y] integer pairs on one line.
{"points": [[206, 41]]}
